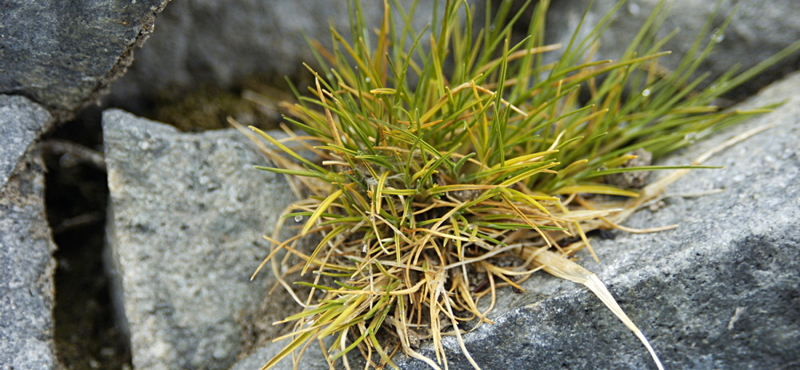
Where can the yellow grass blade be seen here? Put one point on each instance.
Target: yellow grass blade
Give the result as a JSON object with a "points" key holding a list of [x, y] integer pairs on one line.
{"points": [[321, 208], [596, 189]]}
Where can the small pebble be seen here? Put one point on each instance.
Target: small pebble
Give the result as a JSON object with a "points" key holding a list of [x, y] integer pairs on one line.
{"points": [[632, 180]]}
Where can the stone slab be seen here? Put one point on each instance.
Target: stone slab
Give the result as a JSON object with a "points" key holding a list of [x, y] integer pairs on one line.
{"points": [[188, 213], [63, 54], [27, 290]]}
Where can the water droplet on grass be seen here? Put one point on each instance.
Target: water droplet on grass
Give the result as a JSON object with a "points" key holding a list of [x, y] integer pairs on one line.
{"points": [[646, 92], [633, 8], [298, 218], [717, 36]]}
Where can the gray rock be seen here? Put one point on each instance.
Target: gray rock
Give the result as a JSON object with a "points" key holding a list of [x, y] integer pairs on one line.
{"points": [[27, 290], [719, 292], [62, 55], [189, 211], [758, 31], [26, 267], [312, 359], [223, 42], [21, 123]]}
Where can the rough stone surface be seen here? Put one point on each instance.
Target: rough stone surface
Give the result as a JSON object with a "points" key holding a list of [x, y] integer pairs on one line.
{"points": [[26, 266], [758, 31], [636, 180], [63, 54], [21, 122], [188, 214], [719, 292], [312, 359], [221, 42]]}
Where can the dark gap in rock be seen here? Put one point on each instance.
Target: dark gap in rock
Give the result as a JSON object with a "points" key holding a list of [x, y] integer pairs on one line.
{"points": [[86, 333]]}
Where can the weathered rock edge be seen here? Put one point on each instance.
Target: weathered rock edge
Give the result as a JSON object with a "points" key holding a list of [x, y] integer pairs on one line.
{"points": [[65, 57], [27, 290], [21, 123]]}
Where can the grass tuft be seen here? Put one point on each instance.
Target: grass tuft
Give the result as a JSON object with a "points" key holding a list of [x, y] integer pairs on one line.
{"points": [[453, 164]]}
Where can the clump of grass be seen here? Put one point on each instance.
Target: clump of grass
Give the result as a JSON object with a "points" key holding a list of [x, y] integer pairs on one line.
{"points": [[454, 165]]}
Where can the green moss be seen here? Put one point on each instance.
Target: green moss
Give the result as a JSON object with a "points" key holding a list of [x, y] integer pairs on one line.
{"points": [[207, 107]]}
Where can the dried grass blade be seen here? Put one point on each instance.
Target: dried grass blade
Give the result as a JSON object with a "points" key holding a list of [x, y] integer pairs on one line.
{"points": [[563, 268]]}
